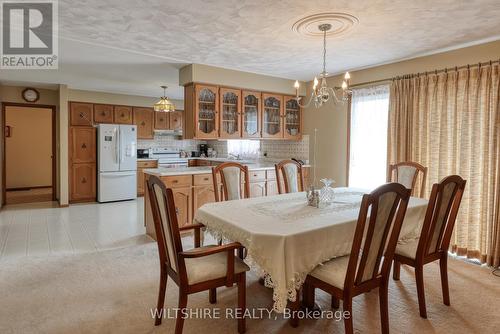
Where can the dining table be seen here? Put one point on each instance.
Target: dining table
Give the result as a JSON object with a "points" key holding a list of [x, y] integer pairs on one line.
{"points": [[286, 238]]}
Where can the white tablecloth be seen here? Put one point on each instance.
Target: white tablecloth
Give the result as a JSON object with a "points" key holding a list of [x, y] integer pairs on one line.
{"points": [[287, 239]]}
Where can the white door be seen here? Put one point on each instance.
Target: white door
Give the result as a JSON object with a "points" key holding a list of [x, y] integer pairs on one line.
{"points": [[108, 147], [128, 147]]}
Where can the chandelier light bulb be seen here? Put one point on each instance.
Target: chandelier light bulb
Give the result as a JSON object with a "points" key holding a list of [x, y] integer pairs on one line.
{"points": [[296, 85], [344, 85], [347, 76], [315, 83]]}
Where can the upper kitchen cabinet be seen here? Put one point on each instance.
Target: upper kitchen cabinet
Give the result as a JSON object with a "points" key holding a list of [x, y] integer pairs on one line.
{"points": [[293, 118], [81, 114], [175, 120], [230, 117], [251, 114], [103, 113], [123, 115], [161, 120], [144, 119], [206, 112], [272, 116]]}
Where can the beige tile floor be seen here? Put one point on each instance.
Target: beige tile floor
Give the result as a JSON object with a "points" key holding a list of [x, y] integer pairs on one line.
{"points": [[39, 229]]}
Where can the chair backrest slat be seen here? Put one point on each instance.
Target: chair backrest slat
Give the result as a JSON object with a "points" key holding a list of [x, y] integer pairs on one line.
{"points": [[407, 174], [165, 222], [376, 237], [440, 217], [289, 174], [233, 176]]}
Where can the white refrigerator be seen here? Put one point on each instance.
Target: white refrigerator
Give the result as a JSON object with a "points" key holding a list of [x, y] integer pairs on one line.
{"points": [[117, 162]]}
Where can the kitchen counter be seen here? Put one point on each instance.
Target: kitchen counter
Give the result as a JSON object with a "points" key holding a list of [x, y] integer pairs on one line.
{"points": [[147, 159], [203, 169]]}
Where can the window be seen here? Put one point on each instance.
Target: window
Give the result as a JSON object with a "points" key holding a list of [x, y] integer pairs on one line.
{"points": [[244, 148], [368, 137]]}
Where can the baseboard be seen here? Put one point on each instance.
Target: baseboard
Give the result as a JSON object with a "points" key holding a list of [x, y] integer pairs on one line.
{"points": [[27, 188]]}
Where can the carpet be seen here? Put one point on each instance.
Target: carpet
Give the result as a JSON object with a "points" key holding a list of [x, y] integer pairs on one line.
{"points": [[113, 292]]}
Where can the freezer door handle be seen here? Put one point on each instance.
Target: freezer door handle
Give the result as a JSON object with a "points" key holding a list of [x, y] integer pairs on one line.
{"points": [[118, 175], [116, 145]]}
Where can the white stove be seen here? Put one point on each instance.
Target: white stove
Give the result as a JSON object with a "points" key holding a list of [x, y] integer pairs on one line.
{"points": [[168, 158]]}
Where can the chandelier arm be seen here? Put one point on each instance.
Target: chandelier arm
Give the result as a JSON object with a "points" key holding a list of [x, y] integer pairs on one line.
{"points": [[311, 98]]}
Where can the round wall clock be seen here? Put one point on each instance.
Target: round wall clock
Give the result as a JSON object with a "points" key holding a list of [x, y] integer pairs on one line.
{"points": [[30, 95]]}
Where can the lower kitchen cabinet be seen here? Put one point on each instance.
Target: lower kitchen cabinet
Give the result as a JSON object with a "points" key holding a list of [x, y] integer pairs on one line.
{"points": [[182, 200], [202, 195], [141, 165], [83, 182], [271, 188], [257, 189]]}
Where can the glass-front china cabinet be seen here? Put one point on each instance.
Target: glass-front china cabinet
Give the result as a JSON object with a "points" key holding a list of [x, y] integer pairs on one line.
{"points": [[230, 107], [206, 111], [292, 118], [251, 114], [272, 115]]}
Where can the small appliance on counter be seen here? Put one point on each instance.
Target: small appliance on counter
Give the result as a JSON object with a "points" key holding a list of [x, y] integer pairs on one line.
{"points": [[203, 150], [143, 153], [195, 154]]}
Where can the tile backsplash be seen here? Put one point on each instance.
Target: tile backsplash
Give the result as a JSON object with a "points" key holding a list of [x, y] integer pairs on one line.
{"points": [[273, 149]]}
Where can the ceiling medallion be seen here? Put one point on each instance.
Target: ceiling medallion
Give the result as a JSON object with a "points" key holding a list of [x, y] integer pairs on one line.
{"points": [[341, 23]]}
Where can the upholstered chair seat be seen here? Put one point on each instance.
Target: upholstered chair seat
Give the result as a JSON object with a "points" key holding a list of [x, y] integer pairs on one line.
{"points": [[408, 249], [332, 272], [210, 267]]}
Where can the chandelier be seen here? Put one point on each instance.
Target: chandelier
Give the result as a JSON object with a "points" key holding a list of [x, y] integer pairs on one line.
{"points": [[164, 105], [323, 93]]}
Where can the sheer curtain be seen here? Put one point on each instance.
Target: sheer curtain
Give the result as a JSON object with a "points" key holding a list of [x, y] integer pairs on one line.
{"points": [[450, 122], [244, 148], [368, 137]]}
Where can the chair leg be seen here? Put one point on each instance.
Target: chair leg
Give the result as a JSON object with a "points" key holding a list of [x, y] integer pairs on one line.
{"points": [[383, 292], [212, 296], [179, 322], [396, 268], [443, 264], [419, 276], [161, 297], [294, 307], [308, 292], [242, 303], [347, 307], [335, 302]]}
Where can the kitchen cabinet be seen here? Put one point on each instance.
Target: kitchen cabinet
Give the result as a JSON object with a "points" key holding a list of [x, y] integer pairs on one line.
{"points": [[123, 114], [292, 119], [83, 182], [271, 188], [175, 120], [81, 114], [251, 114], [206, 112], [103, 113], [272, 116], [257, 189], [141, 165], [182, 200], [82, 144], [161, 120], [144, 119], [230, 113]]}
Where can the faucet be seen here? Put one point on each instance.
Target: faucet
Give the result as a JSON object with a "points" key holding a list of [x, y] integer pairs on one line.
{"points": [[232, 156]]}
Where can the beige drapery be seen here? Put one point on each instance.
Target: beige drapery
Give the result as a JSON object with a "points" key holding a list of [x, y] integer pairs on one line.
{"points": [[450, 122]]}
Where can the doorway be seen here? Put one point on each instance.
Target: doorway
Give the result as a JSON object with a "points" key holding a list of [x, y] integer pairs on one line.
{"points": [[29, 153]]}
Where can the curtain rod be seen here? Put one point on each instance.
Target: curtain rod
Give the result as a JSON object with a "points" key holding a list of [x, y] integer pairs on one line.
{"points": [[444, 70]]}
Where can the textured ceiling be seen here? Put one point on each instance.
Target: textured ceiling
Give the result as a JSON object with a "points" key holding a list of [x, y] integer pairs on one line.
{"points": [[134, 45]]}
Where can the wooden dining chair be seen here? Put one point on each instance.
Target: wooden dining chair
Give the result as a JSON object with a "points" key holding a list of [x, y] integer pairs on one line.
{"points": [[289, 177], [407, 174], [369, 263], [435, 237], [230, 176], [195, 270]]}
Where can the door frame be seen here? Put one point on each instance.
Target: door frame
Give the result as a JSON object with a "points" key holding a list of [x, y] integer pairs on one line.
{"points": [[54, 156]]}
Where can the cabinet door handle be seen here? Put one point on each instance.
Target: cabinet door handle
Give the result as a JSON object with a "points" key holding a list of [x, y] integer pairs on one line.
{"points": [[84, 180], [143, 123], [177, 210], [84, 146], [122, 115], [175, 181], [205, 179], [103, 113]]}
